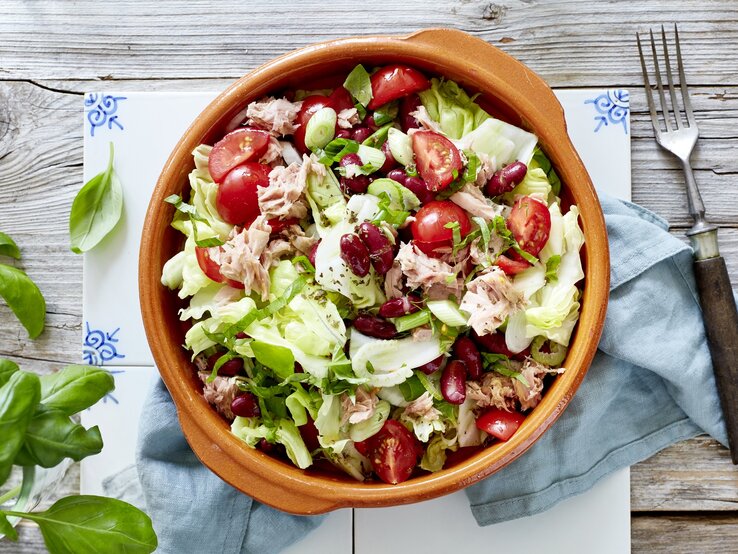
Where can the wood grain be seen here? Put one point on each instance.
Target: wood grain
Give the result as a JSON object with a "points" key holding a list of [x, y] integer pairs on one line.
{"points": [[684, 499]]}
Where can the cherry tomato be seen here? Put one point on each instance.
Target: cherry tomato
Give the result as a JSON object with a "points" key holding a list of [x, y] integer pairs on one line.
{"points": [[340, 99], [429, 228], [211, 269], [438, 160], [393, 452], [530, 223], [278, 225], [512, 266], [236, 199], [395, 81], [310, 105], [237, 147], [499, 423]]}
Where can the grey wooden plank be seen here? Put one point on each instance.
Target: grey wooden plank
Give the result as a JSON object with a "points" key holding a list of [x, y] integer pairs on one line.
{"points": [[684, 534]]}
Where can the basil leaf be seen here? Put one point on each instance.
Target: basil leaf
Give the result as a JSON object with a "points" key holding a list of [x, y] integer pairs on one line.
{"points": [[411, 388], [8, 247], [387, 113], [7, 529], [24, 298], [96, 209], [7, 368], [75, 388], [51, 436], [92, 524], [337, 149], [359, 85], [18, 400], [277, 358]]}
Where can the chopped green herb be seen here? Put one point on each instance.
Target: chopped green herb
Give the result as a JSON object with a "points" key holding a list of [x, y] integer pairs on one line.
{"points": [[359, 84]]}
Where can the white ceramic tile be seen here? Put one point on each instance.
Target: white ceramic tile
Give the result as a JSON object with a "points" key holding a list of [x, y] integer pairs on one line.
{"points": [[581, 524], [334, 536], [112, 472], [144, 128]]}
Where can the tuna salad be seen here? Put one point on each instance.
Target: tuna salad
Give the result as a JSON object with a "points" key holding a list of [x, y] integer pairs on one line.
{"points": [[380, 276]]}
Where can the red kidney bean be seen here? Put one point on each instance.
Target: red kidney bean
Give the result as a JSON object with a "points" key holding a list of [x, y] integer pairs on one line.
{"points": [[466, 351], [495, 343], [420, 189], [381, 252], [311, 254], [374, 326], [433, 365], [354, 253], [398, 175], [400, 306], [505, 179], [360, 134], [245, 405], [358, 183], [265, 446], [389, 159], [407, 105], [242, 335], [228, 369], [369, 122], [343, 133], [453, 382], [350, 159]]}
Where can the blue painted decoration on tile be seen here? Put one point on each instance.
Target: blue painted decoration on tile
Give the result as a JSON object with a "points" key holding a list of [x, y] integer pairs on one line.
{"points": [[612, 108], [101, 110], [100, 346]]}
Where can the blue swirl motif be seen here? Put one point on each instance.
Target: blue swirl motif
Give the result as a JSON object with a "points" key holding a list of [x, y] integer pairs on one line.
{"points": [[612, 108], [101, 109], [99, 347]]}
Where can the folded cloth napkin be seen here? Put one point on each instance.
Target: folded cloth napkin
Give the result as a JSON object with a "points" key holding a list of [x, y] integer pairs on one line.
{"points": [[650, 385]]}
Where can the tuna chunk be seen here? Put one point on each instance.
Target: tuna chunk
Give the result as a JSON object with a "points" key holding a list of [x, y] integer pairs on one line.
{"points": [[473, 201], [359, 410], [243, 257], [220, 392], [490, 298], [284, 197], [277, 116], [347, 118], [436, 277]]}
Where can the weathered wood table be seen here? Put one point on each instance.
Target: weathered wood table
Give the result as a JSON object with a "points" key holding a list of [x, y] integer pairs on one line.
{"points": [[684, 499]]}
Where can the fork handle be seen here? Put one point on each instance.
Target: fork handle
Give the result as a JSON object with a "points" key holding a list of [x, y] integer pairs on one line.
{"points": [[721, 327]]}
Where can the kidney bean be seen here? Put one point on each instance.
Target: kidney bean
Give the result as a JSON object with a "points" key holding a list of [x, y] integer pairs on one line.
{"points": [[453, 382], [374, 326], [311, 254], [242, 335], [398, 175], [400, 306], [343, 133], [228, 369], [369, 121], [466, 351], [420, 189], [379, 246], [433, 365], [354, 253], [265, 446], [358, 183], [245, 405], [389, 159], [408, 105], [505, 179], [360, 134]]}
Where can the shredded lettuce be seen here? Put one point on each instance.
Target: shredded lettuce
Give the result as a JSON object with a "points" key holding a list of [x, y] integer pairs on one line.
{"points": [[208, 299], [171, 275], [535, 182], [363, 430], [250, 430], [328, 424], [502, 142], [435, 453], [288, 435], [351, 461], [448, 104]]}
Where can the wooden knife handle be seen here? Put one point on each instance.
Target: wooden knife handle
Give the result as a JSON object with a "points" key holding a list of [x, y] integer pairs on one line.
{"points": [[721, 328]]}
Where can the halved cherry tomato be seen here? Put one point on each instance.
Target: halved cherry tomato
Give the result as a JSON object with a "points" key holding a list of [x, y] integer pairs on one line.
{"points": [[395, 81], [236, 200], [429, 228], [438, 160], [530, 223], [499, 423], [340, 99], [393, 452], [237, 147], [211, 269], [512, 266], [278, 225], [310, 106]]}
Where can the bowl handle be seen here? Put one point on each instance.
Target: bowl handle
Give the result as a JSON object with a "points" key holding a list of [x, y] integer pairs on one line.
{"points": [[525, 86], [232, 472]]}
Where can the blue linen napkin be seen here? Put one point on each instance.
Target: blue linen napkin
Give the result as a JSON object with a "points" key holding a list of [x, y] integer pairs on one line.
{"points": [[650, 385]]}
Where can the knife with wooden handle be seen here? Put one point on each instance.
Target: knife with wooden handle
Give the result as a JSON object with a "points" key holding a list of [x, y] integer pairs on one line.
{"points": [[721, 324]]}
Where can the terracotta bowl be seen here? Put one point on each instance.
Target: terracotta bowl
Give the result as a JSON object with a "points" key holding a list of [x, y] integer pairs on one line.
{"points": [[508, 89]]}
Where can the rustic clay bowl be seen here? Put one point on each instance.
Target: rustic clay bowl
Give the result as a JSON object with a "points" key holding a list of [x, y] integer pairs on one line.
{"points": [[508, 89]]}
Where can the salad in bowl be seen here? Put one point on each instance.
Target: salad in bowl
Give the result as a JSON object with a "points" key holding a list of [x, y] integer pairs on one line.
{"points": [[377, 276]]}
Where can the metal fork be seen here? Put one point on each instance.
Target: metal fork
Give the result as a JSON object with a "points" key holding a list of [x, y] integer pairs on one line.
{"points": [[716, 294]]}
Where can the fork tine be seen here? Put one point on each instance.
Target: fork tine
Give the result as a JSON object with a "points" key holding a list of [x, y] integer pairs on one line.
{"points": [[649, 91], [683, 82], [664, 107], [670, 80]]}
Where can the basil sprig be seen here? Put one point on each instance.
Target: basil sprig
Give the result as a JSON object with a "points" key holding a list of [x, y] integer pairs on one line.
{"points": [[23, 297], [96, 209], [8, 247]]}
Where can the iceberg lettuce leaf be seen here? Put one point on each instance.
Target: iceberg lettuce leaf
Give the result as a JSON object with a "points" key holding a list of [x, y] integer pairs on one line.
{"points": [[453, 109]]}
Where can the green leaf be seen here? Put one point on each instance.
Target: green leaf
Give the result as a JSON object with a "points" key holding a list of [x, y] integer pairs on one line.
{"points": [[7, 368], [75, 388], [337, 149], [93, 524], [552, 267], [191, 212], [387, 113], [51, 436], [96, 209], [18, 400], [24, 298], [359, 85], [411, 388], [7, 529], [541, 160], [8, 247], [277, 358]]}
